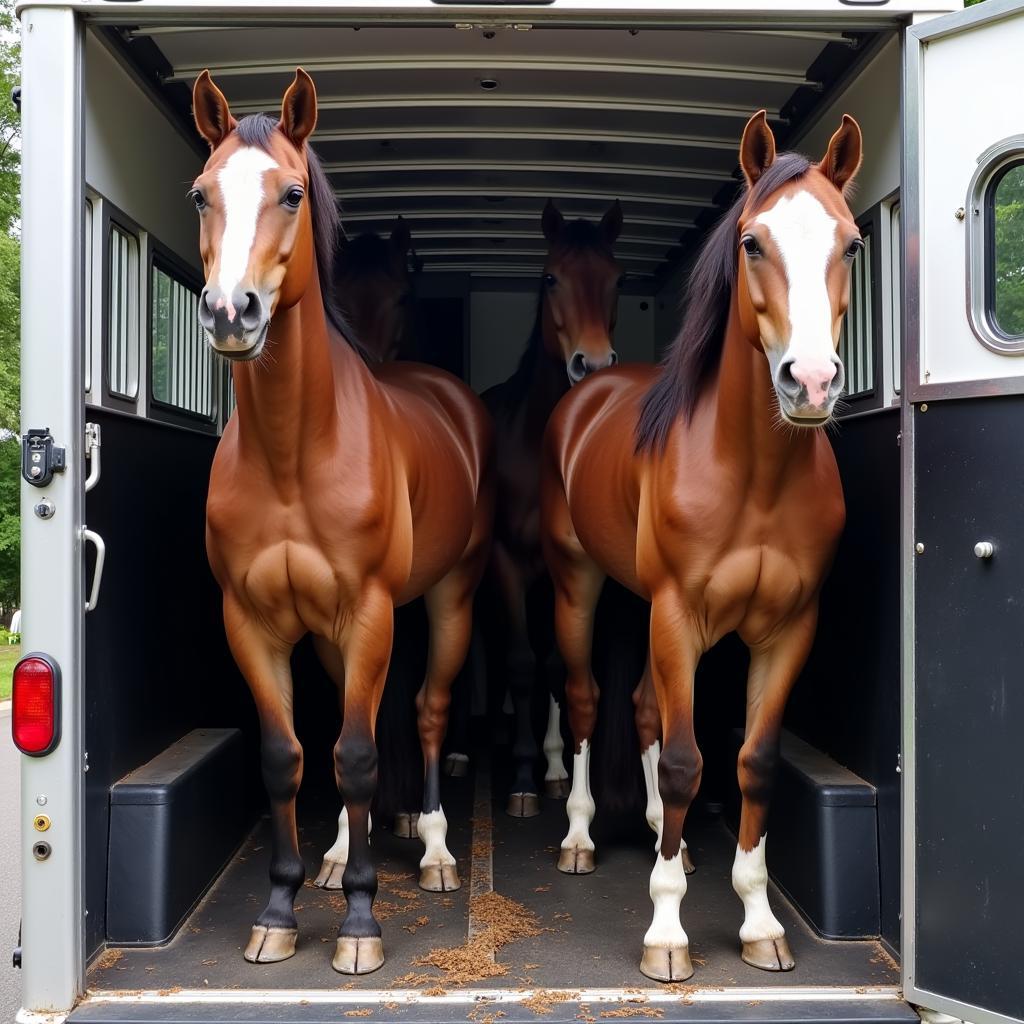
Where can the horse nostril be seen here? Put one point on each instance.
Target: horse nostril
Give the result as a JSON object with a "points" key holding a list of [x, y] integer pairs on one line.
{"points": [[785, 381], [205, 313], [577, 367], [613, 358], [250, 311]]}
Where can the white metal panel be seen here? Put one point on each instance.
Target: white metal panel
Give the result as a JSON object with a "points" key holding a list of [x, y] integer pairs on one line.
{"points": [[961, 74]]}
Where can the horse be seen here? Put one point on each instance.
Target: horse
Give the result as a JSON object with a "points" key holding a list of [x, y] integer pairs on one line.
{"points": [[708, 486], [374, 291], [336, 494], [571, 339]]}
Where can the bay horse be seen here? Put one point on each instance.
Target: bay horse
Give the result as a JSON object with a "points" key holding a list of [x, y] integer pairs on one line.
{"points": [[336, 493], [708, 486], [373, 289], [571, 338]]}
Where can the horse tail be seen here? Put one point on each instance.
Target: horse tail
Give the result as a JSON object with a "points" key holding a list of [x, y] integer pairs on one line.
{"points": [[400, 759], [621, 630]]}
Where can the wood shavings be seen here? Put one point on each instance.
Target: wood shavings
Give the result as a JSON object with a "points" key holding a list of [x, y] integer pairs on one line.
{"points": [[542, 1000], [366, 1012], [109, 959], [413, 980], [634, 1011]]}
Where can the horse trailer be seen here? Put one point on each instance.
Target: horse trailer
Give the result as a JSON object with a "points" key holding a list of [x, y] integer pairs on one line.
{"points": [[899, 803]]}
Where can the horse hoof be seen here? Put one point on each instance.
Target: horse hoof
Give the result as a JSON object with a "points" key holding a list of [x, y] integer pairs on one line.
{"points": [[666, 963], [330, 875], [270, 945], [769, 954], [440, 878], [405, 825], [523, 805], [358, 956], [574, 861], [688, 866], [456, 766], [556, 789]]}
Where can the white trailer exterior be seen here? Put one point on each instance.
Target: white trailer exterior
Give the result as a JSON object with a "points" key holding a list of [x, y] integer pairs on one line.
{"points": [[99, 142]]}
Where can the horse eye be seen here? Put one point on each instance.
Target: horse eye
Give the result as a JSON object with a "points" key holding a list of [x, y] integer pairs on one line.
{"points": [[292, 198], [550, 280], [750, 246], [855, 247], [198, 198]]}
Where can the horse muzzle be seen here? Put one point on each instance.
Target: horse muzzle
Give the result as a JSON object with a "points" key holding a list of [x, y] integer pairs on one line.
{"points": [[581, 365], [236, 325], [808, 389]]}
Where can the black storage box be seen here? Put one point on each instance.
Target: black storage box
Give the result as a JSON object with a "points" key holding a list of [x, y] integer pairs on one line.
{"points": [[823, 840], [174, 823]]}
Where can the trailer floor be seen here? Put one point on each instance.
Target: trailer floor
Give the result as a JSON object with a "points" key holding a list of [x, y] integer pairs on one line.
{"points": [[593, 924]]}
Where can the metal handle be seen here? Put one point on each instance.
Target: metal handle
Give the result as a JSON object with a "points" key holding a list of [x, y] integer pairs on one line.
{"points": [[984, 549], [92, 453], [101, 553]]}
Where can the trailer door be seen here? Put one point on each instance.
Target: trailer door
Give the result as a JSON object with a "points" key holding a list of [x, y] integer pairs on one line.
{"points": [[963, 528]]}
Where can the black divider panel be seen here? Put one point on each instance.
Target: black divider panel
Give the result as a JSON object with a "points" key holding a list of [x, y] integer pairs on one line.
{"points": [[847, 702], [157, 664]]}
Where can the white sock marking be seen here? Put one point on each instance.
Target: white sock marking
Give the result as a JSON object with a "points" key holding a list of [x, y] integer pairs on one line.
{"points": [[338, 853], [433, 830], [805, 235], [750, 880], [668, 887], [553, 745], [241, 188], [655, 808], [580, 805]]}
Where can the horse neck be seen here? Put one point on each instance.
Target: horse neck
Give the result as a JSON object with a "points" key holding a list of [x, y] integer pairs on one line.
{"points": [[747, 431], [548, 380], [287, 400]]}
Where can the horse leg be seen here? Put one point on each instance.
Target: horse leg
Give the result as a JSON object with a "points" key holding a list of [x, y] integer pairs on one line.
{"points": [[673, 660], [522, 671], [578, 582], [264, 661], [450, 615], [648, 727], [773, 670], [366, 649], [556, 778]]}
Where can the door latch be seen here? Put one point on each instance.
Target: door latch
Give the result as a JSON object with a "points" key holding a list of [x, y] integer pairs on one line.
{"points": [[40, 457]]}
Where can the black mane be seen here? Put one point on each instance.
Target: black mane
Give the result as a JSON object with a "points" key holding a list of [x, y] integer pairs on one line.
{"points": [[365, 254], [697, 349], [257, 130]]}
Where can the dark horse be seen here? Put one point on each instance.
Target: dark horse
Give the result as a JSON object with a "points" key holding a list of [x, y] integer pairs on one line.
{"points": [[571, 338]]}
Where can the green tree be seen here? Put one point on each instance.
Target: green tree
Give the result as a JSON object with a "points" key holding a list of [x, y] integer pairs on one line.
{"points": [[10, 309]]}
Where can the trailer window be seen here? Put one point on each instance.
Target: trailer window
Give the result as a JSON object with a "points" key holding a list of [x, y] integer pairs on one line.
{"points": [[87, 331], [181, 364], [857, 341], [123, 317], [1005, 278]]}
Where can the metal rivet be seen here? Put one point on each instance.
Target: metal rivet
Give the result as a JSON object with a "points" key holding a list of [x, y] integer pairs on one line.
{"points": [[45, 509], [41, 822], [924, 407], [41, 799], [984, 549], [919, 548], [960, 213]]}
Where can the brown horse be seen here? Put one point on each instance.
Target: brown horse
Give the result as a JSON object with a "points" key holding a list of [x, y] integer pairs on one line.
{"points": [[335, 495], [572, 337], [373, 288], [708, 487]]}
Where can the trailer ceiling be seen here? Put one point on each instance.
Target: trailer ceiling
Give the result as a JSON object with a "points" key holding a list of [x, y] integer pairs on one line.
{"points": [[466, 129]]}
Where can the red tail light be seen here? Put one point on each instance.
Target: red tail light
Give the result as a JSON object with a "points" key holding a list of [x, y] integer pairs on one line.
{"points": [[35, 710]]}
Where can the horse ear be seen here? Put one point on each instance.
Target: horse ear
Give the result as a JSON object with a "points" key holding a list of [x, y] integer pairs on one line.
{"points": [[552, 222], [611, 222], [844, 154], [757, 149], [211, 112], [298, 109]]}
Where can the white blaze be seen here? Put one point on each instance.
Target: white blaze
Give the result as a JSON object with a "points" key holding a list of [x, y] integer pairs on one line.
{"points": [[750, 880], [805, 235], [241, 189]]}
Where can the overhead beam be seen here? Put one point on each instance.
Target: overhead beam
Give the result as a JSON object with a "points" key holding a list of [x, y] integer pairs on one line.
{"points": [[662, 243], [488, 64], [457, 191], [525, 167], [532, 253], [519, 101], [496, 213]]}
